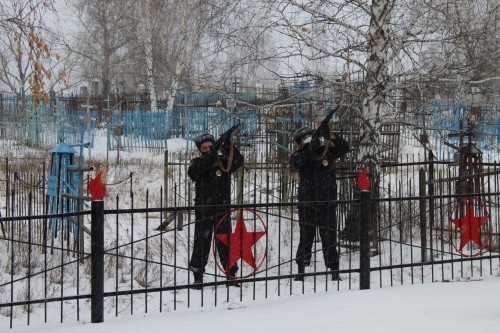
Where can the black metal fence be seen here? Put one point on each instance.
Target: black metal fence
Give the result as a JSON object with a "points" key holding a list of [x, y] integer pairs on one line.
{"points": [[413, 230]]}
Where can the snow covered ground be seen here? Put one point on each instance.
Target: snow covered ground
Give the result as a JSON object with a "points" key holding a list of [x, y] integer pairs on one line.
{"points": [[464, 306]]}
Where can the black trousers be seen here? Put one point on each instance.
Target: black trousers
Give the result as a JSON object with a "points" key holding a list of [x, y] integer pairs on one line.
{"points": [[206, 222], [322, 216]]}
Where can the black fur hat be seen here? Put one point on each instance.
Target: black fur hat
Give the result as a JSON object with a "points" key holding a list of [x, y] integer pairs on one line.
{"points": [[299, 134], [203, 138]]}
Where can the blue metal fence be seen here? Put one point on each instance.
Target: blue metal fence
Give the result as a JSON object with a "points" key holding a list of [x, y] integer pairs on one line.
{"points": [[131, 127], [452, 122]]}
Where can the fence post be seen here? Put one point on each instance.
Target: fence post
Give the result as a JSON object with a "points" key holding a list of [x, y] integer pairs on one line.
{"points": [[239, 186], [97, 262], [423, 216], [431, 203], [364, 240], [165, 178]]}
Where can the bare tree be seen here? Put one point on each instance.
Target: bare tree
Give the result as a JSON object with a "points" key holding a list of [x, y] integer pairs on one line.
{"points": [[468, 51], [238, 47], [26, 56], [168, 42], [107, 28], [361, 38], [186, 42], [373, 46], [14, 70], [193, 19]]}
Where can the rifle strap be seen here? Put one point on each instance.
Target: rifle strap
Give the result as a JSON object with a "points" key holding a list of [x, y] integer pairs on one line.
{"points": [[328, 143], [229, 160]]}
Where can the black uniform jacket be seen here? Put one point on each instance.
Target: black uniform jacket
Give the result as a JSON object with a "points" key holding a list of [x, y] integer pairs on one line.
{"points": [[318, 175], [213, 182]]}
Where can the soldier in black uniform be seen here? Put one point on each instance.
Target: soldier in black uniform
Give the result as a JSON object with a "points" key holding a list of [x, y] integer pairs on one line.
{"points": [[211, 172], [317, 195]]}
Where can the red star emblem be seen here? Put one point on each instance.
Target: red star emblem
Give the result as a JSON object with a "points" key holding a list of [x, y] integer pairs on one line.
{"points": [[469, 226], [240, 243]]}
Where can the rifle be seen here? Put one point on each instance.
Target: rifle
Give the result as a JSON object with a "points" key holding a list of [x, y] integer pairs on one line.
{"points": [[224, 136], [324, 129]]}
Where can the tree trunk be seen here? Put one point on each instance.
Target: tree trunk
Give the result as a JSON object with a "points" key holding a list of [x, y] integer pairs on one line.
{"points": [[185, 47], [148, 50], [372, 106]]}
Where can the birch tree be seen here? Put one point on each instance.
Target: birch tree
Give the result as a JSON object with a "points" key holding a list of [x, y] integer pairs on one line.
{"points": [[212, 42], [172, 43], [169, 37], [192, 18], [357, 37], [146, 34], [383, 42], [186, 40]]}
